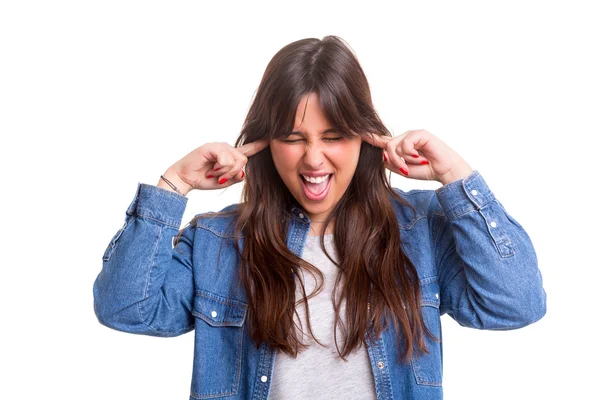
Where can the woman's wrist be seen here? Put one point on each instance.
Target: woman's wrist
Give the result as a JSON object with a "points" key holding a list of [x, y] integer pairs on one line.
{"points": [[459, 172], [176, 181]]}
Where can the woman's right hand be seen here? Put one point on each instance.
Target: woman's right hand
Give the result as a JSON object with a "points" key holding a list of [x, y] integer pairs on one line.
{"points": [[215, 165]]}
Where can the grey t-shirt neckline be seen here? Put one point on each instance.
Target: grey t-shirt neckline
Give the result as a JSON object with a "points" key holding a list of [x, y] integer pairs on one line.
{"points": [[327, 236]]}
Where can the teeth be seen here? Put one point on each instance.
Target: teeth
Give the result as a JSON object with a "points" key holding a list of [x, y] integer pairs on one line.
{"points": [[320, 179]]}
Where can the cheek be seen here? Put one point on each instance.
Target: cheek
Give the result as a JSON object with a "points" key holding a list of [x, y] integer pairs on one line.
{"points": [[346, 156], [286, 157]]}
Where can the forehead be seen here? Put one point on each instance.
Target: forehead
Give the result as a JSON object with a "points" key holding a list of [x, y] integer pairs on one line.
{"points": [[310, 121], [309, 115]]}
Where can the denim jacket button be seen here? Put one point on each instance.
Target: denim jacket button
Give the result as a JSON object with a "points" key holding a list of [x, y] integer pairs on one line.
{"points": [[474, 192], [213, 314], [263, 378], [301, 215], [437, 295], [493, 224], [380, 364]]}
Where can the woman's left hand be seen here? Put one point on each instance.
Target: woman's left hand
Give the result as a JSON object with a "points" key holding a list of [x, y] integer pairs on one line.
{"points": [[418, 154]]}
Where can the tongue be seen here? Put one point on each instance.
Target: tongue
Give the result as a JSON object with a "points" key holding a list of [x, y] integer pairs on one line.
{"points": [[316, 188]]}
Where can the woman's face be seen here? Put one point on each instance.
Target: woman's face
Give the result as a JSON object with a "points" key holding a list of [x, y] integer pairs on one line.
{"points": [[315, 151]]}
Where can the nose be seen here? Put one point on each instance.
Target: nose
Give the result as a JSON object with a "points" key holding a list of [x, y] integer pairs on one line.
{"points": [[314, 156]]}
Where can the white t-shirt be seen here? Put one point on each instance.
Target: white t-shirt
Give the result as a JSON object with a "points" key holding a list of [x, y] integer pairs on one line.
{"points": [[318, 372]]}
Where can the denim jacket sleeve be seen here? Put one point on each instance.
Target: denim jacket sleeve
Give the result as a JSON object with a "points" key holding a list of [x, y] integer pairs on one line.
{"points": [[145, 285], [487, 266]]}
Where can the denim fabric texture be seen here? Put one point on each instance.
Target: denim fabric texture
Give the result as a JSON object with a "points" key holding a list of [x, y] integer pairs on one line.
{"points": [[475, 263]]}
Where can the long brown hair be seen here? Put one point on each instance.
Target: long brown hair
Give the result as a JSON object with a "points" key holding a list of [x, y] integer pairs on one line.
{"points": [[378, 281]]}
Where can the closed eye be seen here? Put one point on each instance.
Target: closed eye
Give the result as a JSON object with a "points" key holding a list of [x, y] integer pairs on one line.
{"points": [[329, 139]]}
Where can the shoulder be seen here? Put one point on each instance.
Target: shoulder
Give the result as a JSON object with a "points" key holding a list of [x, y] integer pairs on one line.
{"points": [[220, 223], [416, 204]]}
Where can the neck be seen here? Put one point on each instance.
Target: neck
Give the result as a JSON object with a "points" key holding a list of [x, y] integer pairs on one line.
{"points": [[316, 228]]}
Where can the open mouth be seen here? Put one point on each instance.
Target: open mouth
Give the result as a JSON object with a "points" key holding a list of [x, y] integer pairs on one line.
{"points": [[316, 188]]}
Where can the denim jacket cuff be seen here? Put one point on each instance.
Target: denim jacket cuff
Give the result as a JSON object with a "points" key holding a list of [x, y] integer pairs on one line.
{"points": [[464, 195], [158, 204]]}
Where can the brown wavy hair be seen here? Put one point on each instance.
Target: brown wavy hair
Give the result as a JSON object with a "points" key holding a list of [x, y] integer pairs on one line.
{"points": [[378, 281]]}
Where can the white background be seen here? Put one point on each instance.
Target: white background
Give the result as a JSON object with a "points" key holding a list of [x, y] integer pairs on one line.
{"points": [[98, 96]]}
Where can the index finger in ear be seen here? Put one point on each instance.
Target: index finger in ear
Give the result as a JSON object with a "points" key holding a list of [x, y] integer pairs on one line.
{"points": [[375, 140], [250, 149]]}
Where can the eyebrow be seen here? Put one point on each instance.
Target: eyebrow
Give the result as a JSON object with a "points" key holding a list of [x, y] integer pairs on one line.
{"points": [[322, 133]]}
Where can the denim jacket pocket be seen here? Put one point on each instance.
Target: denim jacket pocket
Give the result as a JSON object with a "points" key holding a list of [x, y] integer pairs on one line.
{"points": [[427, 368], [219, 333], [113, 243]]}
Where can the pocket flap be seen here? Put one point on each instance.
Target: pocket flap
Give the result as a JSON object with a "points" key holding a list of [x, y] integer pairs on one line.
{"points": [[219, 311], [430, 293]]}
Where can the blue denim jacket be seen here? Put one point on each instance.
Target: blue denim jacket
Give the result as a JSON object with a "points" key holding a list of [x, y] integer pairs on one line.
{"points": [[475, 263]]}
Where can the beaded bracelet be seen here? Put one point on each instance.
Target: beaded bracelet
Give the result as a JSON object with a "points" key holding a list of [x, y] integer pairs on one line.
{"points": [[172, 186]]}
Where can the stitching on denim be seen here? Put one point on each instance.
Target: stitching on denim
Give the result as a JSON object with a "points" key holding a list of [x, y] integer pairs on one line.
{"points": [[265, 367], [437, 233], [108, 252], [449, 307], [220, 299], [236, 385], [147, 289], [144, 215], [152, 257], [219, 234], [428, 280], [510, 246], [470, 208], [212, 395], [501, 239], [112, 245], [470, 310], [298, 219], [223, 235], [447, 186], [232, 322], [427, 383], [261, 360], [153, 260], [425, 299], [158, 191], [412, 223], [372, 360], [384, 373], [417, 367], [240, 355], [176, 332], [236, 318], [466, 211]]}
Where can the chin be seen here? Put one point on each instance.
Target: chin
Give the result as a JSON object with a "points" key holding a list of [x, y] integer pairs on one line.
{"points": [[316, 209]]}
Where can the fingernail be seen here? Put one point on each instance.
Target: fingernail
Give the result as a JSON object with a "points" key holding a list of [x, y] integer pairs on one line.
{"points": [[243, 174], [223, 181], [216, 169], [384, 157], [209, 176], [415, 155], [424, 162], [404, 171]]}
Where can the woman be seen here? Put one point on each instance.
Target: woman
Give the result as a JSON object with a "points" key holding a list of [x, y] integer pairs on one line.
{"points": [[385, 264]]}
